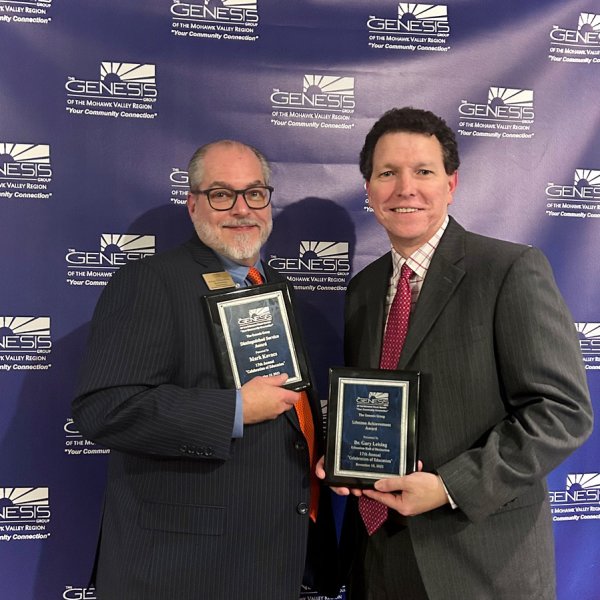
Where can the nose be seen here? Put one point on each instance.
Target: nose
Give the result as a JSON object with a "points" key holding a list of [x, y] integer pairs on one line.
{"points": [[404, 184], [240, 206]]}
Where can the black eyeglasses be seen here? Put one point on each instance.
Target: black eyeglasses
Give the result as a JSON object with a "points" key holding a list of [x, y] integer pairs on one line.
{"points": [[256, 197]]}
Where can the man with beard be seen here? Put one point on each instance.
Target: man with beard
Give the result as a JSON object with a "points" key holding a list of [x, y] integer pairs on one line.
{"points": [[208, 489]]}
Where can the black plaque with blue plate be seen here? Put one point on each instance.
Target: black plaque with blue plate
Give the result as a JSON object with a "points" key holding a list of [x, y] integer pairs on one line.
{"points": [[371, 425], [255, 333]]}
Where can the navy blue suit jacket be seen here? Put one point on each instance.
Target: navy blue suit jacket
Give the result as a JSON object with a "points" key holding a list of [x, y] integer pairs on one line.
{"points": [[190, 512]]}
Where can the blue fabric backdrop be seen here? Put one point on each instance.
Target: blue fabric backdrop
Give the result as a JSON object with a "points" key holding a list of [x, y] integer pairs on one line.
{"points": [[103, 103]]}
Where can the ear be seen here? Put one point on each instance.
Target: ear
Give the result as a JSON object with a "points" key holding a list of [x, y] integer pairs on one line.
{"points": [[452, 183], [191, 204]]}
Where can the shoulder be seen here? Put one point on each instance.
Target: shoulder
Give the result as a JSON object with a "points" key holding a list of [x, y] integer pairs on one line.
{"points": [[154, 272], [493, 254], [272, 274], [377, 269]]}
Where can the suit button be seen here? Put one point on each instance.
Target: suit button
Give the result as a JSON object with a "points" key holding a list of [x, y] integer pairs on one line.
{"points": [[302, 508], [300, 445]]}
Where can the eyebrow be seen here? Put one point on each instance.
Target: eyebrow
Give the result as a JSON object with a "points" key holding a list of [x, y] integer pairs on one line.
{"points": [[420, 165], [228, 185]]}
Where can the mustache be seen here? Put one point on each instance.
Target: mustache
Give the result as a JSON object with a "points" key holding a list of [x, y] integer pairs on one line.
{"points": [[243, 222]]}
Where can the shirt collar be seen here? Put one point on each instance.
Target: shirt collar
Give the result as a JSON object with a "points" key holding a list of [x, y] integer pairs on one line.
{"points": [[238, 272], [420, 259]]}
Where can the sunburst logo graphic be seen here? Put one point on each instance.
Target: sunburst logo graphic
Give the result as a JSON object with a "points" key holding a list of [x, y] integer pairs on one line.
{"points": [[589, 338], [215, 11], [499, 96], [18, 326], [588, 23], [586, 178], [25, 161], [24, 496], [257, 317], [430, 12], [375, 401], [585, 188], [232, 3], [338, 250], [126, 243], [316, 258], [127, 72], [506, 106], [31, 153], [329, 93], [583, 481], [41, 3], [118, 81], [245, 4], [325, 84], [24, 505]]}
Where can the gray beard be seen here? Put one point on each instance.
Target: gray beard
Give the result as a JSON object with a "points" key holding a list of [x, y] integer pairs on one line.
{"points": [[243, 248]]}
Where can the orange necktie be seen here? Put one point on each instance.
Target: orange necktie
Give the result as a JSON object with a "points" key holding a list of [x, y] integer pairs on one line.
{"points": [[305, 420]]}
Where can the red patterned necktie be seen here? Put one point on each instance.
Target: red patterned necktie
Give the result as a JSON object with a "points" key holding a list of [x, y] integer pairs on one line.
{"points": [[374, 513], [305, 420]]}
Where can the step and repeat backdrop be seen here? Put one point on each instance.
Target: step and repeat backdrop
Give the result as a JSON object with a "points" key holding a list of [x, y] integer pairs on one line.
{"points": [[103, 103]]}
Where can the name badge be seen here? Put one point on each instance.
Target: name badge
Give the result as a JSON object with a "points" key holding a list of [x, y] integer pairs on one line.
{"points": [[218, 281]]}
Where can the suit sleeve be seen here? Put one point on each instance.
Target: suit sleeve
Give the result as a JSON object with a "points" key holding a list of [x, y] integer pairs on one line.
{"points": [[127, 399], [544, 389]]}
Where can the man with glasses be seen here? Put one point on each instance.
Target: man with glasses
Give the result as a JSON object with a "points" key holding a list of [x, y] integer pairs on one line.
{"points": [[208, 489]]}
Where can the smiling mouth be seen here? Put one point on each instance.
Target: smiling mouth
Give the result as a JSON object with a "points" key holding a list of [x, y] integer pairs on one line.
{"points": [[404, 210], [240, 225]]}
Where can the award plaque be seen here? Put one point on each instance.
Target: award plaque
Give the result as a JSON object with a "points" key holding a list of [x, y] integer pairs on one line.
{"points": [[371, 425], [255, 333]]}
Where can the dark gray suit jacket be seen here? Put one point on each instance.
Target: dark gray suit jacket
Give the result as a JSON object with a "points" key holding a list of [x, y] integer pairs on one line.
{"points": [[190, 512], [503, 401]]}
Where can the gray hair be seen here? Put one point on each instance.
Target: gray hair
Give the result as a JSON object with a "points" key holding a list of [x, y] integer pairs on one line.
{"points": [[196, 164]]}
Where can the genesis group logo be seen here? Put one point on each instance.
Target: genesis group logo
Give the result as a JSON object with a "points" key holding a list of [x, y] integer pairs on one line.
{"points": [[509, 113], [320, 266], [95, 268], [79, 593], [215, 19], [76, 445], [579, 200], [19, 11], [257, 318], [589, 342], [581, 45], [179, 185], [25, 343], [325, 102], [580, 500], [124, 90], [376, 401], [25, 171], [417, 27], [24, 513]]}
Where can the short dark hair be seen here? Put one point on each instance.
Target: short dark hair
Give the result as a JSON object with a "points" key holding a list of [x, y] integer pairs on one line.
{"points": [[413, 120]]}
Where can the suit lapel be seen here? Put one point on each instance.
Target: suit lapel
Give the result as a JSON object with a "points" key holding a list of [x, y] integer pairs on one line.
{"points": [[372, 319], [443, 277], [204, 256]]}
